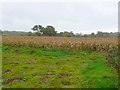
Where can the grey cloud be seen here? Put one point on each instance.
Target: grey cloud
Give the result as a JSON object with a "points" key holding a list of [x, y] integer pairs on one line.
{"points": [[78, 17]]}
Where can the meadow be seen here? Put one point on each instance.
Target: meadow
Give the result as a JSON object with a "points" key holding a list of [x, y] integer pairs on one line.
{"points": [[59, 62]]}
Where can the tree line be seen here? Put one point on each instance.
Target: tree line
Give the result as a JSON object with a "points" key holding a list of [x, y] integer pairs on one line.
{"points": [[39, 30]]}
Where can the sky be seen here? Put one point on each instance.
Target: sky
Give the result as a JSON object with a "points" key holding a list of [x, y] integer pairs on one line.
{"points": [[79, 16]]}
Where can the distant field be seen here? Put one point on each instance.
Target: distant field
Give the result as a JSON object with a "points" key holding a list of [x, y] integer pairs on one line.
{"points": [[58, 62], [42, 39], [67, 43]]}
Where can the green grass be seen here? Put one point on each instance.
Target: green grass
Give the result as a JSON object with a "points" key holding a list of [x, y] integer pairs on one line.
{"points": [[38, 68]]}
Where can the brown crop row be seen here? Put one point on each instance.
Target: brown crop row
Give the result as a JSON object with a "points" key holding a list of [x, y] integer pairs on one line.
{"points": [[67, 43]]}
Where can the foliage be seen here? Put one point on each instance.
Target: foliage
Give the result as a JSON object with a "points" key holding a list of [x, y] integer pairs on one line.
{"points": [[13, 33], [39, 32], [66, 34], [47, 31], [38, 29], [113, 59]]}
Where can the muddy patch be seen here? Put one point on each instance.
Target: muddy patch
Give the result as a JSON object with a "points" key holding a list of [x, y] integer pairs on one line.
{"points": [[62, 75], [10, 81], [7, 71], [44, 80], [66, 83]]}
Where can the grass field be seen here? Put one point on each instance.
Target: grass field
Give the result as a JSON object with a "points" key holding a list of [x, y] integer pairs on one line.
{"points": [[26, 66]]}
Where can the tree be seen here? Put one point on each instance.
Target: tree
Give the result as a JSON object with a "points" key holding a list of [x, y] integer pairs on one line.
{"points": [[38, 28], [92, 34], [30, 33], [66, 34], [49, 31], [71, 34], [61, 34], [99, 34]]}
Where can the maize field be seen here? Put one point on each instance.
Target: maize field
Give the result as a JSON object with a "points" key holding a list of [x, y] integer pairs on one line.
{"points": [[67, 43]]}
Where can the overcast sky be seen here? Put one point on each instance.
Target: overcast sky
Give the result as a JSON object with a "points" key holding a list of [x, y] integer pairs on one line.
{"points": [[83, 16]]}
